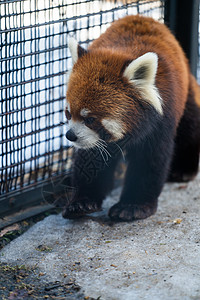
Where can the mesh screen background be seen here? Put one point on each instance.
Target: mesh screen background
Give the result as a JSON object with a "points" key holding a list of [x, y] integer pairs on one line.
{"points": [[34, 65]]}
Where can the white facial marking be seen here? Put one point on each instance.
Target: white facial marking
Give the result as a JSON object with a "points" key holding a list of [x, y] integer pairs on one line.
{"points": [[87, 138], [84, 112], [142, 73], [114, 128], [73, 47]]}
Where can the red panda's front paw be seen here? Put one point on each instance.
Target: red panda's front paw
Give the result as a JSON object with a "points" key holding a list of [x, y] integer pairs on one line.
{"points": [[130, 212], [80, 208]]}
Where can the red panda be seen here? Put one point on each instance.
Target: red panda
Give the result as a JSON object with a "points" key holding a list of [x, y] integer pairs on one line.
{"points": [[132, 90]]}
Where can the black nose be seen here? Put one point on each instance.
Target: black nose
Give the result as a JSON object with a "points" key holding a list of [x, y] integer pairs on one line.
{"points": [[70, 135]]}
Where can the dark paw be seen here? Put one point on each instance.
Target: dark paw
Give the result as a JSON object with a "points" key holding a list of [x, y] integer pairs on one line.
{"points": [[181, 177], [130, 212], [80, 208]]}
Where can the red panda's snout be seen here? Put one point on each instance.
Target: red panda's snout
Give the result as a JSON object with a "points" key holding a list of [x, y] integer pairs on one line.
{"points": [[88, 132], [71, 136]]}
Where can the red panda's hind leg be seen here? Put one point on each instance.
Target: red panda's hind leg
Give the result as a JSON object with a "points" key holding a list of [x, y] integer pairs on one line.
{"points": [[185, 162]]}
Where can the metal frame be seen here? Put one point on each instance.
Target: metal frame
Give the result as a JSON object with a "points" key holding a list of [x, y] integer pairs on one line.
{"points": [[182, 17]]}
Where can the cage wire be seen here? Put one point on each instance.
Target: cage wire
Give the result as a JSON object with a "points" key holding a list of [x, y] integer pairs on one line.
{"points": [[34, 65]]}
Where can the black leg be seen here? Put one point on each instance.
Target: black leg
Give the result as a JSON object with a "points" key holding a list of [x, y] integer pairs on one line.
{"points": [[185, 161], [145, 177], [92, 178]]}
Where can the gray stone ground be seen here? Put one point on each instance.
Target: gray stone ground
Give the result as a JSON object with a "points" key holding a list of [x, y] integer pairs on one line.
{"points": [[157, 258]]}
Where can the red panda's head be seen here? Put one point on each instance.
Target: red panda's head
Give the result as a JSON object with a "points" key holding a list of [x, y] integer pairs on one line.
{"points": [[108, 95]]}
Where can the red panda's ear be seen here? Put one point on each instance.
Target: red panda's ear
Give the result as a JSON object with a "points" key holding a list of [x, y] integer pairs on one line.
{"points": [[141, 72], [143, 68], [75, 49]]}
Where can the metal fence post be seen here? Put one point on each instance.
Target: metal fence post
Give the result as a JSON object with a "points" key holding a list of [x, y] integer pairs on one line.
{"points": [[182, 17]]}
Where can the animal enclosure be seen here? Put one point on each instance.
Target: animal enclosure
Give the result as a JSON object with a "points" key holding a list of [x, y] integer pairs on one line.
{"points": [[34, 63]]}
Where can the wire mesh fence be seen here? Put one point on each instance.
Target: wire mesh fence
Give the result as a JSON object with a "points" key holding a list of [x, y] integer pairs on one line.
{"points": [[34, 63]]}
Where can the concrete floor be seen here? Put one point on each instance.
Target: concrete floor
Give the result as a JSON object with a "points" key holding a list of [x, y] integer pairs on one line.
{"points": [[157, 258]]}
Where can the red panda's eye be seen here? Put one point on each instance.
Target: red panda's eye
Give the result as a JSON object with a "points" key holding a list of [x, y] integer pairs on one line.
{"points": [[67, 114], [89, 121]]}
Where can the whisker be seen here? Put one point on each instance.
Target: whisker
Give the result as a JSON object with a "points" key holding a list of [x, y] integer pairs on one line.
{"points": [[100, 142], [104, 150], [121, 151], [103, 147], [100, 150], [103, 142]]}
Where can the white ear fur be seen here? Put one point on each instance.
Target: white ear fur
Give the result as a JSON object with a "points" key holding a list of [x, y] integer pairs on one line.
{"points": [[73, 47], [142, 72]]}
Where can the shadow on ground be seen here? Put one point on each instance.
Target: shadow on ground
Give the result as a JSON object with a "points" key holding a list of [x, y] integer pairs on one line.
{"points": [[93, 258]]}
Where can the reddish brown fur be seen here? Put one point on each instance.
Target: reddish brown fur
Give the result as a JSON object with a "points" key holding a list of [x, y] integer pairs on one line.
{"points": [[196, 89], [138, 35], [155, 143], [90, 93]]}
